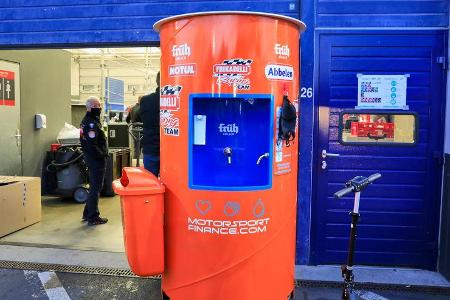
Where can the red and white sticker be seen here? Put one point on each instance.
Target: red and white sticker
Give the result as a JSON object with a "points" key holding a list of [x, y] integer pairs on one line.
{"points": [[7, 88], [233, 72], [183, 70], [170, 97], [169, 123]]}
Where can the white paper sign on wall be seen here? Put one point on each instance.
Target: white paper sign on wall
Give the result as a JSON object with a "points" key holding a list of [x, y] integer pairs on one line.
{"points": [[382, 91]]}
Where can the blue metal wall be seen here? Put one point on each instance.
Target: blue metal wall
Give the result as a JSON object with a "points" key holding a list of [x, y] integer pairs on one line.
{"points": [[345, 16], [50, 23], [382, 13]]}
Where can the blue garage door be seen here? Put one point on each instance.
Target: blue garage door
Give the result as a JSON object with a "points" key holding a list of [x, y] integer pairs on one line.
{"points": [[400, 213]]}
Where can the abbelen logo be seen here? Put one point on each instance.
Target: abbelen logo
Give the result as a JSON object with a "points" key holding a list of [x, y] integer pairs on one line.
{"points": [[282, 50], [181, 51], [182, 70], [279, 72], [229, 129]]}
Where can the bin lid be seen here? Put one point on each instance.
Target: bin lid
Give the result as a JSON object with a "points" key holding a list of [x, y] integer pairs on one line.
{"points": [[138, 181], [300, 24]]}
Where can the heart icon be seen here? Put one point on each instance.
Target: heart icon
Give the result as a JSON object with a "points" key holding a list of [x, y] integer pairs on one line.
{"points": [[203, 206]]}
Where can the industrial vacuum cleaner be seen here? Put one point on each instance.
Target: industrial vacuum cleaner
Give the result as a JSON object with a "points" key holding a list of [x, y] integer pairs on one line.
{"points": [[71, 173]]}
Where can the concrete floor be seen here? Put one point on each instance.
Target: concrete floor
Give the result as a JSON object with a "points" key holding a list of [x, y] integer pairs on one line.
{"points": [[61, 227], [34, 285], [372, 274]]}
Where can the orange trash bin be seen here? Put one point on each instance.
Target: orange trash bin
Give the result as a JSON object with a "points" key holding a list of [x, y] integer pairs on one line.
{"points": [[142, 202]]}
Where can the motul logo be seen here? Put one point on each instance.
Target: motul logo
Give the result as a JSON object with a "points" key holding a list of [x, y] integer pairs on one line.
{"points": [[179, 51], [282, 50], [182, 70]]}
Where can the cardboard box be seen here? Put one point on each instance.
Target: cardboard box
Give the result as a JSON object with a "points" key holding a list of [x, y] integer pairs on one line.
{"points": [[20, 203]]}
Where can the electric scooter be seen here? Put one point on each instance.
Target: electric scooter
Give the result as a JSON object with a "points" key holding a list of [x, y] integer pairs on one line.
{"points": [[356, 185]]}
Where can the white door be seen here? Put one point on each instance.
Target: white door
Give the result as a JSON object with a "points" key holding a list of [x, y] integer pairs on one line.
{"points": [[10, 136]]}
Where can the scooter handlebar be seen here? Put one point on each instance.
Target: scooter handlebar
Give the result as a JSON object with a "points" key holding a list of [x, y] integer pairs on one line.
{"points": [[357, 184], [341, 193], [374, 177]]}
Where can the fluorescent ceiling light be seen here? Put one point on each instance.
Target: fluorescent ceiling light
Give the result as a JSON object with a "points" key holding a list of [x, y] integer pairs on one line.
{"points": [[92, 50]]}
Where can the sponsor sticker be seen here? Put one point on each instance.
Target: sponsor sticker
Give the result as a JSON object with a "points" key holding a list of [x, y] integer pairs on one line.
{"points": [[279, 72], [228, 224], [170, 97], [180, 52], [169, 123], [224, 69], [234, 72], [183, 70], [282, 51]]}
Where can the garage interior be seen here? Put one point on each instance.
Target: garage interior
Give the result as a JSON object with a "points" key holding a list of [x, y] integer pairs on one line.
{"points": [[56, 83]]}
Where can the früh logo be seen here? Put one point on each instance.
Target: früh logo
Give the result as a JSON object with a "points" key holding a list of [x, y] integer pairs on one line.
{"points": [[181, 51], [229, 129], [282, 50], [170, 97], [182, 70]]}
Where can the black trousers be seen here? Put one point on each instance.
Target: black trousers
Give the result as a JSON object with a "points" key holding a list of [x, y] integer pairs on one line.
{"points": [[96, 169]]}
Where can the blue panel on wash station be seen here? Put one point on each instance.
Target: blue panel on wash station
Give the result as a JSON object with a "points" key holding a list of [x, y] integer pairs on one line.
{"points": [[230, 142]]}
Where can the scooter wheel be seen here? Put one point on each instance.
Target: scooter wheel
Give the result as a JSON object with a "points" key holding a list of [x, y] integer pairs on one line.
{"points": [[80, 195]]}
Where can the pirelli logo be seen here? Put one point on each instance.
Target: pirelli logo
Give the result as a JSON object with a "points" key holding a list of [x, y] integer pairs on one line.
{"points": [[170, 97]]}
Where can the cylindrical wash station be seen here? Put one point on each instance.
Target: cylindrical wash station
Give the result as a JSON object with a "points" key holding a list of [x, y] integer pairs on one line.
{"points": [[220, 222]]}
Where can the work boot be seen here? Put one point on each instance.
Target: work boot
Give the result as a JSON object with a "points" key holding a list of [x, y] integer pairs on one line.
{"points": [[97, 221]]}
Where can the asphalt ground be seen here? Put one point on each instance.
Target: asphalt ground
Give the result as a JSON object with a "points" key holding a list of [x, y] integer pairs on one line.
{"points": [[36, 285]]}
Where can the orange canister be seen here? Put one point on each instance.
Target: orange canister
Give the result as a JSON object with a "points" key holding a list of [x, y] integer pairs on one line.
{"points": [[231, 184]]}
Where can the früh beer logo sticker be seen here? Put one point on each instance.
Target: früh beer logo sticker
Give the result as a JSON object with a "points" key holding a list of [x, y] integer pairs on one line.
{"points": [[234, 72], [7, 88], [282, 51], [180, 52]]}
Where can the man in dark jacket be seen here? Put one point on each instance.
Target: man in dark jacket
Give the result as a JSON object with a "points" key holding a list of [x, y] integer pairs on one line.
{"points": [[149, 113], [93, 143], [133, 116]]}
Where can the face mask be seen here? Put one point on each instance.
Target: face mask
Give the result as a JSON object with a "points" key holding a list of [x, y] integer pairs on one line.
{"points": [[96, 111]]}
